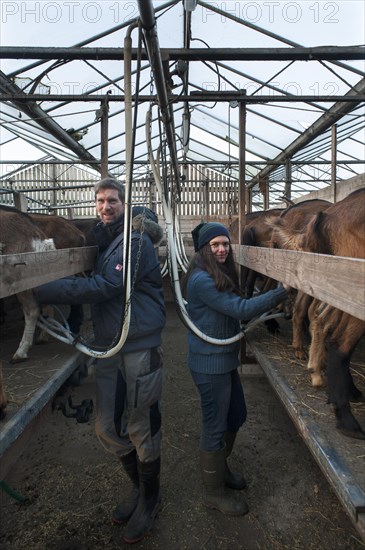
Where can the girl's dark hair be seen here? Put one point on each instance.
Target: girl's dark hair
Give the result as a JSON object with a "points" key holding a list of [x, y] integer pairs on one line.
{"points": [[224, 275]]}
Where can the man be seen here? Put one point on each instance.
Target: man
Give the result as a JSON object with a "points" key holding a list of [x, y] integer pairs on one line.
{"points": [[129, 383]]}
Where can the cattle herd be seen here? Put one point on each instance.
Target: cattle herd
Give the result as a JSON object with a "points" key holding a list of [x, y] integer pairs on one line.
{"points": [[318, 226], [313, 226]]}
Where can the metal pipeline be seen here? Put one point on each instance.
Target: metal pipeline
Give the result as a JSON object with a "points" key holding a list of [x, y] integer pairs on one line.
{"points": [[148, 21]]}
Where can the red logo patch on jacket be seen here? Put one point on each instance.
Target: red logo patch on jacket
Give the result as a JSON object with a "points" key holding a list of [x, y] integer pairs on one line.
{"points": [[119, 267]]}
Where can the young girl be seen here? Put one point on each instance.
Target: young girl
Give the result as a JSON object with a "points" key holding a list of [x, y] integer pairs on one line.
{"points": [[216, 307]]}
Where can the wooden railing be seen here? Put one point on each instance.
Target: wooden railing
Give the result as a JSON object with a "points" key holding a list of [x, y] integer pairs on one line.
{"points": [[29, 269], [335, 280]]}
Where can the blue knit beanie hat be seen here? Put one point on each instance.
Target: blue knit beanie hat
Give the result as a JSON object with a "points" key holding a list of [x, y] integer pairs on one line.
{"points": [[205, 232]]}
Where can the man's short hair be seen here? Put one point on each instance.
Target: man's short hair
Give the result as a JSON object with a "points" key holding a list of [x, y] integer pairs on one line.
{"points": [[110, 183]]}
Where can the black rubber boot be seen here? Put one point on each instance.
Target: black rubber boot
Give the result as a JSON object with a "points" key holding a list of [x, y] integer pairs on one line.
{"points": [[141, 521], [216, 495], [126, 507], [234, 480]]}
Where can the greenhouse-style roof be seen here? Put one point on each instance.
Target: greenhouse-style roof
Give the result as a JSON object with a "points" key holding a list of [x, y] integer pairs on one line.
{"points": [[275, 87]]}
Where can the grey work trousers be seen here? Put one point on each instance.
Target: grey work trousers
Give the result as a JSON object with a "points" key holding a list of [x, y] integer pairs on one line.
{"points": [[128, 394]]}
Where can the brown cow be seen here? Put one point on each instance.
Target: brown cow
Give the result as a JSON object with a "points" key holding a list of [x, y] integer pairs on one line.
{"points": [[257, 232], [19, 234], [87, 226], [65, 235], [291, 221], [62, 231], [340, 230]]}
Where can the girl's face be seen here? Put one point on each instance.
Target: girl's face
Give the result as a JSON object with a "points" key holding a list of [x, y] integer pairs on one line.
{"points": [[220, 248]]}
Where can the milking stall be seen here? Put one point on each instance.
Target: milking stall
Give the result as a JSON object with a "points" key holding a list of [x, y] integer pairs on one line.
{"points": [[250, 114]]}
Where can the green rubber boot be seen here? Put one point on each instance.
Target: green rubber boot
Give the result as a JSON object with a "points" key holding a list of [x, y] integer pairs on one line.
{"points": [[234, 480], [216, 495]]}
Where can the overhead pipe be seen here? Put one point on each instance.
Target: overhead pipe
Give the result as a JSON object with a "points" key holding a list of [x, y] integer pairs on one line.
{"points": [[148, 21], [194, 97], [185, 80], [316, 53]]}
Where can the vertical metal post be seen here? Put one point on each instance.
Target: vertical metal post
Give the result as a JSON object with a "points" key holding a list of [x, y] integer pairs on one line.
{"points": [[241, 167], [288, 179], [264, 188], [248, 200], [20, 201], [242, 196], [54, 192], [334, 160], [104, 108], [206, 199]]}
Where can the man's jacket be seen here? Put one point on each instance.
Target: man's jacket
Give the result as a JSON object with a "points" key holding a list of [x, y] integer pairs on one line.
{"points": [[104, 292]]}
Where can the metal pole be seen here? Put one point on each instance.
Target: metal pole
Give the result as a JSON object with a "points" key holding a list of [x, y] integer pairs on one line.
{"points": [[333, 160], [241, 168], [242, 198], [288, 179], [325, 53], [148, 21], [104, 138]]}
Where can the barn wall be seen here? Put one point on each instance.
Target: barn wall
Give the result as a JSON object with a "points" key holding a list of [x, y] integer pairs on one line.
{"points": [[68, 191], [48, 185], [343, 188], [205, 193]]}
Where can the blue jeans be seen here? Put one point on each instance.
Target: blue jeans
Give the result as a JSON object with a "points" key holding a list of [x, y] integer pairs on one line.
{"points": [[223, 406]]}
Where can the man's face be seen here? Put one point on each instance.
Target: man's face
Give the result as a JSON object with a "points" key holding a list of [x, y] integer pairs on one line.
{"points": [[108, 205]]}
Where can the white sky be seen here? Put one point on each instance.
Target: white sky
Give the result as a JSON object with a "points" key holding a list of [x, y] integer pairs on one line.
{"points": [[64, 23]]}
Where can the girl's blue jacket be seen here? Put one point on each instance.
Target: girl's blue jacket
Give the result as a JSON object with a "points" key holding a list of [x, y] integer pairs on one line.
{"points": [[218, 314]]}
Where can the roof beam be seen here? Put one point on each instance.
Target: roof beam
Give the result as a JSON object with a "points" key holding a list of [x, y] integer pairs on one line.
{"points": [[196, 97], [318, 53], [34, 111]]}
